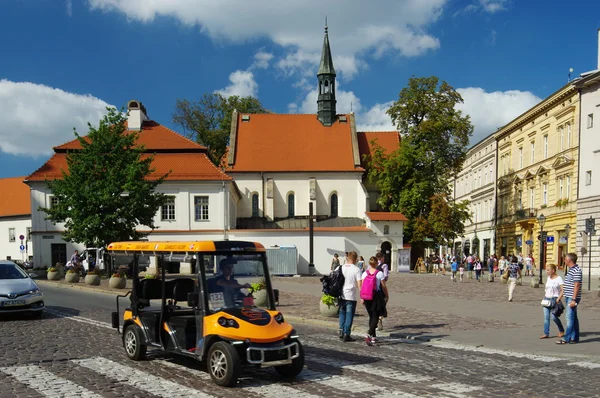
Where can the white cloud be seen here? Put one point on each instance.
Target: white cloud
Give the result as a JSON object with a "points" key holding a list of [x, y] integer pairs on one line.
{"points": [[489, 111], [376, 118], [357, 31], [261, 60], [69, 5], [488, 6], [242, 84], [36, 117]]}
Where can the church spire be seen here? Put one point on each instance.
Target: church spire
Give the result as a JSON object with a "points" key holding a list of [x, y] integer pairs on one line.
{"points": [[326, 112]]}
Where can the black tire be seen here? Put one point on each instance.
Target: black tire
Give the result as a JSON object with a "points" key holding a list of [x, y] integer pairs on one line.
{"points": [[296, 366], [133, 343], [223, 364]]}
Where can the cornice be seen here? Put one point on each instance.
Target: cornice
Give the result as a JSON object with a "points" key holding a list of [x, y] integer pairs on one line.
{"points": [[562, 112]]}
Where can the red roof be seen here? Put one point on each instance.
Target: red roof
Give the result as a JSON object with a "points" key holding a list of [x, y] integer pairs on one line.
{"points": [[186, 160], [385, 216], [272, 142], [15, 199], [388, 140]]}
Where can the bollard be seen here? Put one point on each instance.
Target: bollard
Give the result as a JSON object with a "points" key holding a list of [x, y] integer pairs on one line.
{"points": [[534, 283], [490, 277]]}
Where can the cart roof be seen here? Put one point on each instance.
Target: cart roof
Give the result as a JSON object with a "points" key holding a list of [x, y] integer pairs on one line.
{"points": [[185, 247]]}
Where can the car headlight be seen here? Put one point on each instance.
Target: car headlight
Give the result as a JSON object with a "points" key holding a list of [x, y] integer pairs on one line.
{"points": [[35, 292], [228, 322]]}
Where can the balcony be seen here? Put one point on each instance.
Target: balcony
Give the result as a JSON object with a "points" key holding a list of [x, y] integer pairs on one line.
{"points": [[522, 214]]}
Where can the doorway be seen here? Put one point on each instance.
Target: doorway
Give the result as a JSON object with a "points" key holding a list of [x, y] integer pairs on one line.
{"points": [[562, 251], [386, 250], [58, 253]]}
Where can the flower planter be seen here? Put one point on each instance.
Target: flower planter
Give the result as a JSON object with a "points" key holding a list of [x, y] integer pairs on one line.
{"points": [[117, 283], [72, 277], [39, 274], [53, 276], [328, 310], [260, 298], [92, 280]]}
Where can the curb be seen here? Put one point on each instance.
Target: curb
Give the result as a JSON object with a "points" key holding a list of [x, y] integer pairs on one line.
{"points": [[78, 287]]}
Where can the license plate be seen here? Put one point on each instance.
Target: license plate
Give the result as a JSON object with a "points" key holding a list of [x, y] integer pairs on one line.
{"points": [[13, 303]]}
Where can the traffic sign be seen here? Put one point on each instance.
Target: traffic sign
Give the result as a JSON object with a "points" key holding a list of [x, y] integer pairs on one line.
{"points": [[590, 224], [21, 237], [22, 247], [529, 242], [549, 239]]}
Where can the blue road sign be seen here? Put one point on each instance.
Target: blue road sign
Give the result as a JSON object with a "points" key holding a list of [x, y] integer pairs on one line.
{"points": [[529, 242], [21, 247], [549, 239]]}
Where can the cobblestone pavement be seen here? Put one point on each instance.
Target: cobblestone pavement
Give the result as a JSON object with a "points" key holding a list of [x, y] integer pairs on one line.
{"points": [[73, 352]]}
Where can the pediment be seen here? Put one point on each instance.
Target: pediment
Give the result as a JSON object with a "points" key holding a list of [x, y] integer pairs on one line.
{"points": [[562, 161], [541, 170], [528, 175], [517, 178]]}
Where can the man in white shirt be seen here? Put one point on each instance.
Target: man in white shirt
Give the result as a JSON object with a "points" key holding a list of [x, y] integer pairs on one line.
{"points": [[352, 282]]}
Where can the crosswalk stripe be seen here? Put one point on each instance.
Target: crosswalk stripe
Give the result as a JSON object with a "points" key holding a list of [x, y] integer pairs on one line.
{"points": [[80, 319], [46, 383], [136, 378], [343, 383], [457, 389]]}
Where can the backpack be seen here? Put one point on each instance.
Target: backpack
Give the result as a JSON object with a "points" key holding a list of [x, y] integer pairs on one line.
{"points": [[369, 286], [333, 284]]}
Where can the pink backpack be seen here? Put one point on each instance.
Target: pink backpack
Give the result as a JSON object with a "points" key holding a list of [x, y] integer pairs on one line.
{"points": [[369, 286]]}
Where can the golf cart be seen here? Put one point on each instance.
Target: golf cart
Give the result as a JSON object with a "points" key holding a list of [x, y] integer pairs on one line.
{"points": [[209, 315]]}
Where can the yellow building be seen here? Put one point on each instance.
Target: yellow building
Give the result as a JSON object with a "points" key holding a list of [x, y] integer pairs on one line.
{"points": [[537, 175]]}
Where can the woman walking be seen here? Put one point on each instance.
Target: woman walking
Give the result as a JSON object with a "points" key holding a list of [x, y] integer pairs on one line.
{"points": [[554, 294], [478, 268], [514, 272], [374, 296]]}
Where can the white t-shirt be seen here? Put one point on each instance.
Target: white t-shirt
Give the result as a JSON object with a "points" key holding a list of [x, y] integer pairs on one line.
{"points": [[528, 261], [379, 277], [351, 278], [553, 286]]}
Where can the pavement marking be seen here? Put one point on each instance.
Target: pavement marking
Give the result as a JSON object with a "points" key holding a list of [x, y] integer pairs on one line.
{"points": [[585, 365], [81, 319], [343, 383], [456, 389], [152, 384], [46, 383], [484, 350]]}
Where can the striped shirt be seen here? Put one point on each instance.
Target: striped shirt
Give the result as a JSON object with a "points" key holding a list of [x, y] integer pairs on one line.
{"points": [[574, 275]]}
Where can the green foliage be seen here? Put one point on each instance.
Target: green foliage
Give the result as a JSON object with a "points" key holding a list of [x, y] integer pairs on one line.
{"points": [[150, 276], [257, 286], [94, 271], [435, 138], [328, 300], [106, 193], [208, 120]]}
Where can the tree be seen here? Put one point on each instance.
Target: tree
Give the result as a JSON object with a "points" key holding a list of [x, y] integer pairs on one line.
{"points": [[106, 192], [208, 121], [435, 136]]}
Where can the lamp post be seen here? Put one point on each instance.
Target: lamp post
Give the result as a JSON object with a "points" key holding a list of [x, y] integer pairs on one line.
{"points": [[541, 220]]}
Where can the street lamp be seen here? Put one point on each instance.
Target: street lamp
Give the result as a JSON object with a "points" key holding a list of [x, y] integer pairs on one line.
{"points": [[541, 220]]}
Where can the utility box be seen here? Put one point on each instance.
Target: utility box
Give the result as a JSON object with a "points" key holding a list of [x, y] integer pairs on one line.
{"points": [[282, 260]]}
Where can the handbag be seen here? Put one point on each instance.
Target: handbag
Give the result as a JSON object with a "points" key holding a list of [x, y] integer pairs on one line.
{"points": [[558, 309], [546, 303], [505, 274]]}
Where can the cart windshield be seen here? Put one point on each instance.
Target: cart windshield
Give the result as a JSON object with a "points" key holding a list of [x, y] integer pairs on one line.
{"points": [[233, 280]]}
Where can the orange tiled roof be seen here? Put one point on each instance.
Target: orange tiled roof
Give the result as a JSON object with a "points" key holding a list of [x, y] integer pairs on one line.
{"points": [[386, 216], [388, 140], [275, 142], [153, 136], [15, 199]]}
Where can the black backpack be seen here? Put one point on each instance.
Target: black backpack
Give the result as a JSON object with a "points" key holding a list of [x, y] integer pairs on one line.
{"points": [[333, 284]]}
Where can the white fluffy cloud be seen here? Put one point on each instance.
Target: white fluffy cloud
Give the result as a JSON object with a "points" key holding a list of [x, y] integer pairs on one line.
{"points": [[358, 30], [489, 111], [242, 83], [262, 59], [36, 117], [488, 6]]}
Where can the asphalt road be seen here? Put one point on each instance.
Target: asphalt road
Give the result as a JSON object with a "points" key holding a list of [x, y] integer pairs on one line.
{"points": [[73, 352]]}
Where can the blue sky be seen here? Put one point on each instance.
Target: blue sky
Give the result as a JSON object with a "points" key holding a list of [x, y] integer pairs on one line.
{"points": [[62, 62]]}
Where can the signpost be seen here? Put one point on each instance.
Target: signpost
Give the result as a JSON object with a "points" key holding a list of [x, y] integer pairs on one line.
{"points": [[590, 225], [22, 247]]}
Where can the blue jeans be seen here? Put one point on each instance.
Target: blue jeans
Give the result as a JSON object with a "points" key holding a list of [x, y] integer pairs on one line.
{"points": [[547, 314], [347, 310], [477, 274], [572, 333]]}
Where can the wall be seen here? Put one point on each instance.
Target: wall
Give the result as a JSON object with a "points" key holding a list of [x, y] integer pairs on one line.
{"points": [[589, 142], [11, 249]]}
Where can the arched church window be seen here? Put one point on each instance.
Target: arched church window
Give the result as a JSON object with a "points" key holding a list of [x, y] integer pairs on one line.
{"points": [[255, 205], [334, 205], [291, 205]]}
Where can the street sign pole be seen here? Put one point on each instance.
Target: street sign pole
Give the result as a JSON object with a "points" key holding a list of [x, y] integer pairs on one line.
{"points": [[590, 225]]}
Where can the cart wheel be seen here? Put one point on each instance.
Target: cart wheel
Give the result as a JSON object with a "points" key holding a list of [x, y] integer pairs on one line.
{"points": [[132, 341], [223, 364], [296, 366]]}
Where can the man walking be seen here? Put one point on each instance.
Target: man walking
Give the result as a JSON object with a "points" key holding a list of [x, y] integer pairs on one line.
{"points": [[352, 282], [572, 289]]}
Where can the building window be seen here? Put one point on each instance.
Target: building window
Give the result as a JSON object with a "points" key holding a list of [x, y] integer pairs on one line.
{"points": [[546, 146], [491, 211], [28, 234], [291, 205], [11, 235], [519, 200], [568, 193], [532, 152], [568, 144], [386, 229], [53, 201], [168, 209], [334, 205], [201, 208], [531, 198], [588, 177], [521, 157], [561, 190], [561, 136], [545, 194], [254, 205], [590, 121]]}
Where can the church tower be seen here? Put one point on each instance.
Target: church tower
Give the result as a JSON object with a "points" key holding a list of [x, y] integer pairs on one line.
{"points": [[326, 76]]}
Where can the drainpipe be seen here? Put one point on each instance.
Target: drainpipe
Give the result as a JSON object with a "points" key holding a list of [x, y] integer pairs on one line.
{"points": [[264, 200]]}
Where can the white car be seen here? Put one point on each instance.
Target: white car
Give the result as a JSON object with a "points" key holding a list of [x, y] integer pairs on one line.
{"points": [[18, 292]]}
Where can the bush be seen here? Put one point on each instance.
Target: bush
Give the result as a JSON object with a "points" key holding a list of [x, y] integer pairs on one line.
{"points": [[148, 276], [52, 269], [257, 286], [118, 274], [73, 271], [95, 272], [328, 300]]}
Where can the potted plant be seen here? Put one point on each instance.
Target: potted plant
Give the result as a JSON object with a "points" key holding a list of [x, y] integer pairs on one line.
{"points": [[259, 292], [39, 272], [93, 277], [118, 280], [543, 206], [328, 305], [72, 275], [53, 274]]}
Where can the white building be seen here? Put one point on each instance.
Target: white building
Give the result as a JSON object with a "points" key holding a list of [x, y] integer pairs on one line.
{"points": [[476, 183], [15, 220], [588, 192]]}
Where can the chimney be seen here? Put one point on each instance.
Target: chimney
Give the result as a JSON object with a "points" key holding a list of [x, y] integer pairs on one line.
{"points": [[137, 115]]}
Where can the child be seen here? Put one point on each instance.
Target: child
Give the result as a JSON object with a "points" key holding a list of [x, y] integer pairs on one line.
{"points": [[461, 270], [454, 269]]}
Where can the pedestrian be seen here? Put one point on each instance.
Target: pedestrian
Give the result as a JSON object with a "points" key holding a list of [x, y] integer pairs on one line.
{"points": [[443, 264], [531, 261], [552, 296], [478, 269], [454, 268], [335, 262], [514, 272], [490, 264], [374, 296], [470, 264], [385, 269], [461, 271], [502, 263], [361, 264], [347, 303], [572, 292]]}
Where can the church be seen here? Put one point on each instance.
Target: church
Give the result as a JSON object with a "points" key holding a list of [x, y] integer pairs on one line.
{"points": [[278, 167]]}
